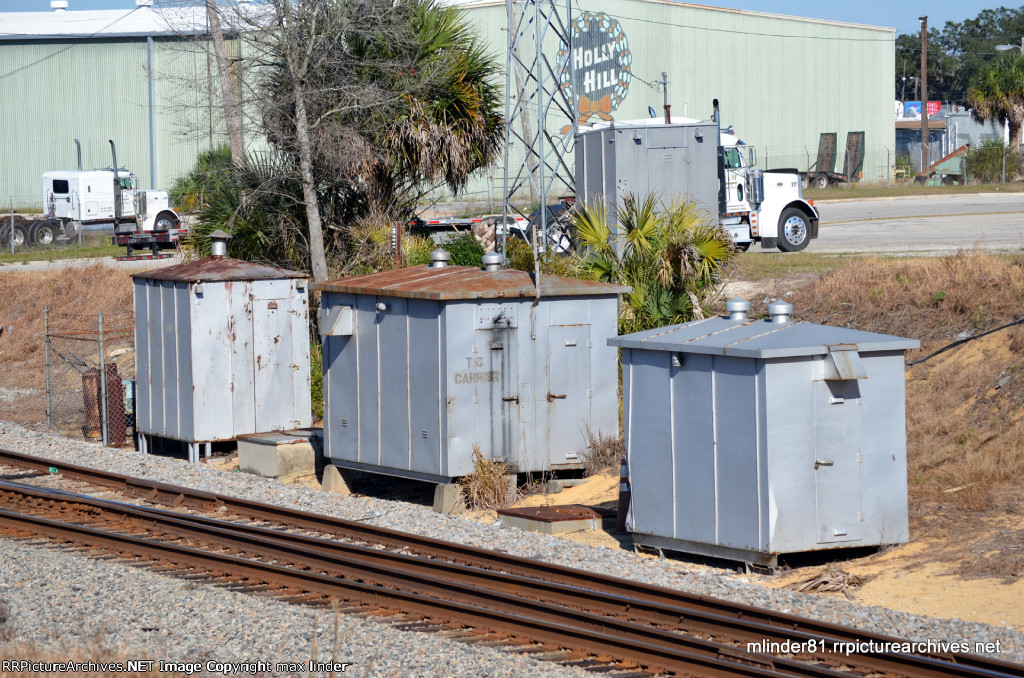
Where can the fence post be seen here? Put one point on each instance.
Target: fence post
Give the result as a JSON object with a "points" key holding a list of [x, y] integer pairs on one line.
{"points": [[103, 380], [46, 360]]}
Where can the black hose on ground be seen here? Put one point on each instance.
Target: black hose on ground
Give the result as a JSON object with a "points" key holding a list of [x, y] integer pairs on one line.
{"points": [[910, 363]]}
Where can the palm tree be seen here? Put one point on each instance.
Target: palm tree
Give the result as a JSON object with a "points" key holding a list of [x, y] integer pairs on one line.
{"points": [[367, 106], [997, 94], [671, 257]]}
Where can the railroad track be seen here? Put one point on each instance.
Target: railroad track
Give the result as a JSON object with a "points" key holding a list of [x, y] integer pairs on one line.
{"points": [[598, 619]]}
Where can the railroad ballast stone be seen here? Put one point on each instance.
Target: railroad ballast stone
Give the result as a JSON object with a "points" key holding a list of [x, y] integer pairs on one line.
{"points": [[199, 622]]}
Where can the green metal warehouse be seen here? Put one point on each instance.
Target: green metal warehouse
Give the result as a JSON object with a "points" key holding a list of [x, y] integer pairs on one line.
{"points": [[131, 77]]}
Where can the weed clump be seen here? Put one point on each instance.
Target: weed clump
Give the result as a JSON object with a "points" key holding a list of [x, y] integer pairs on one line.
{"points": [[491, 485], [603, 453]]}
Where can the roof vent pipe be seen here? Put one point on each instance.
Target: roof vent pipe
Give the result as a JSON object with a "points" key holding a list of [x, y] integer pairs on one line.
{"points": [[492, 261], [737, 308], [439, 258], [780, 312], [219, 244]]}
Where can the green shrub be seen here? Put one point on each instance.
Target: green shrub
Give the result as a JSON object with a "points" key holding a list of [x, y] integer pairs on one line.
{"points": [[466, 250], [417, 249], [316, 378], [520, 258], [985, 161]]}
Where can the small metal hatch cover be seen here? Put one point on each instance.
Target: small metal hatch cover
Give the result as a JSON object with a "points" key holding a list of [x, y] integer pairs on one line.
{"points": [[338, 321], [843, 363]]}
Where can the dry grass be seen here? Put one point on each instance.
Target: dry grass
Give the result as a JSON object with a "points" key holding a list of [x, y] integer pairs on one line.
{"points": [[74, 295], [832, 580], [964, 407], [489, 486], [603, 453]]}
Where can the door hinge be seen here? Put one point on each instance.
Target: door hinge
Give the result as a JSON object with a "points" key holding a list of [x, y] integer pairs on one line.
{"points": [[556, 396], [511, 399]]}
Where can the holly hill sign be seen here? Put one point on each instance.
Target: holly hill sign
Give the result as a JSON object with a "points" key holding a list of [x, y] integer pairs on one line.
{"points": [[601, 67]]}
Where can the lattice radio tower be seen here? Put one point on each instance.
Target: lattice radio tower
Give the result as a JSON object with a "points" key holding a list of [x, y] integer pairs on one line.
{"points": [[538, 94]]}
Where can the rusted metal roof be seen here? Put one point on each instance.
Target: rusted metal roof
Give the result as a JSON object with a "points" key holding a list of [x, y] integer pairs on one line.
{"points": [[217, 269], [552, 514], [464, 282]]}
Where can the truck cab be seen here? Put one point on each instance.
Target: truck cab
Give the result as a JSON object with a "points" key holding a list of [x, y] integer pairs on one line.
{"points": [[642, 157], [765, 206]]}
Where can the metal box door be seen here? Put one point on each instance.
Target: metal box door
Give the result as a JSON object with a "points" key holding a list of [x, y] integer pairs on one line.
{"points": [[273, 355], [568, 397], [837, 461]]}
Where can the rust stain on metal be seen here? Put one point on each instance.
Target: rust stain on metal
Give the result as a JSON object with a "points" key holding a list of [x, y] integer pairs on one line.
{"points": [[463, 282], [552, 514], [217, 269]]}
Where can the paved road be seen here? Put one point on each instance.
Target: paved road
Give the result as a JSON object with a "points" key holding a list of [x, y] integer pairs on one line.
{"points": [[56, 264], [936, 224]]}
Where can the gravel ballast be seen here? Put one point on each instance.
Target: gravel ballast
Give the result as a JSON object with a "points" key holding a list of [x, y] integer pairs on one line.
{"points": [[60, 600]]}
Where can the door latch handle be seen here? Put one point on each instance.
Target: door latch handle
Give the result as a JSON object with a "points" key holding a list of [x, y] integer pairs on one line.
{"points": [[511, 399], [556, 396], [822, 462]]}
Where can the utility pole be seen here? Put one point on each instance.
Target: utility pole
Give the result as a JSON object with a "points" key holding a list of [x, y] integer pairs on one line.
{"points": [[924, 96], [664, 88]]}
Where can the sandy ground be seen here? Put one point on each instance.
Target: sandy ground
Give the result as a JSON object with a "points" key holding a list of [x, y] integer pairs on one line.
{"points": [[919, 577]]}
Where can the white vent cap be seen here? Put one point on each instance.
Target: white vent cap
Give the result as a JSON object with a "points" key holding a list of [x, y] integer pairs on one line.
{"points": [[780, 311], [219, 243], [439, 258], [737, 308], [59, 5], [492, 261]]}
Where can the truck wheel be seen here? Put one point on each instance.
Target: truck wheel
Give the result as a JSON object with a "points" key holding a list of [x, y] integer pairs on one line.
{"points": [[43, 233], [20, 236], [794, 231], [821, 181], [165, 221]]}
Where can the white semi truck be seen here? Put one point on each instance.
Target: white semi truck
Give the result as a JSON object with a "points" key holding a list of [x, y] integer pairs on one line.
{"points": [[73, 199], [682, 158]]}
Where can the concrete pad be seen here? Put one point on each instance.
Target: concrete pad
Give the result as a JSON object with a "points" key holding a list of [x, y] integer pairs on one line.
{"points": [[551, 519], [285, 455], [448, 499], [336, 480]]}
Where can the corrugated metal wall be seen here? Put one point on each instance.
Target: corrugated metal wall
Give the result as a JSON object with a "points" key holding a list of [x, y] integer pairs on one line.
{"points": [[53, 91], [781, 81]]}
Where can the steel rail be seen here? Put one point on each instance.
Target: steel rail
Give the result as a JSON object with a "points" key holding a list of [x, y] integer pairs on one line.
{"points": [[607, 642], [783, 623], [389, 566], [456, 583]]}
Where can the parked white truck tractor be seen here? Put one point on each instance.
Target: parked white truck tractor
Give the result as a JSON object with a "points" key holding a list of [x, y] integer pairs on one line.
{"points": [[73, 199], [680, 158]]}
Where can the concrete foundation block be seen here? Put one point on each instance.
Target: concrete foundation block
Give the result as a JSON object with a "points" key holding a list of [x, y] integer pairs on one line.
{"points": [[448, 499], [285, 455], [336, 480], [557, 485]]}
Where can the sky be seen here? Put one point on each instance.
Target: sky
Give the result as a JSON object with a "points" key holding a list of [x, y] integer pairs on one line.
{"points": [[901, 14]]}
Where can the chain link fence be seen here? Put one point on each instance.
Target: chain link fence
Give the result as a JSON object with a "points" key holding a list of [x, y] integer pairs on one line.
{"points": [[78, 351]]}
